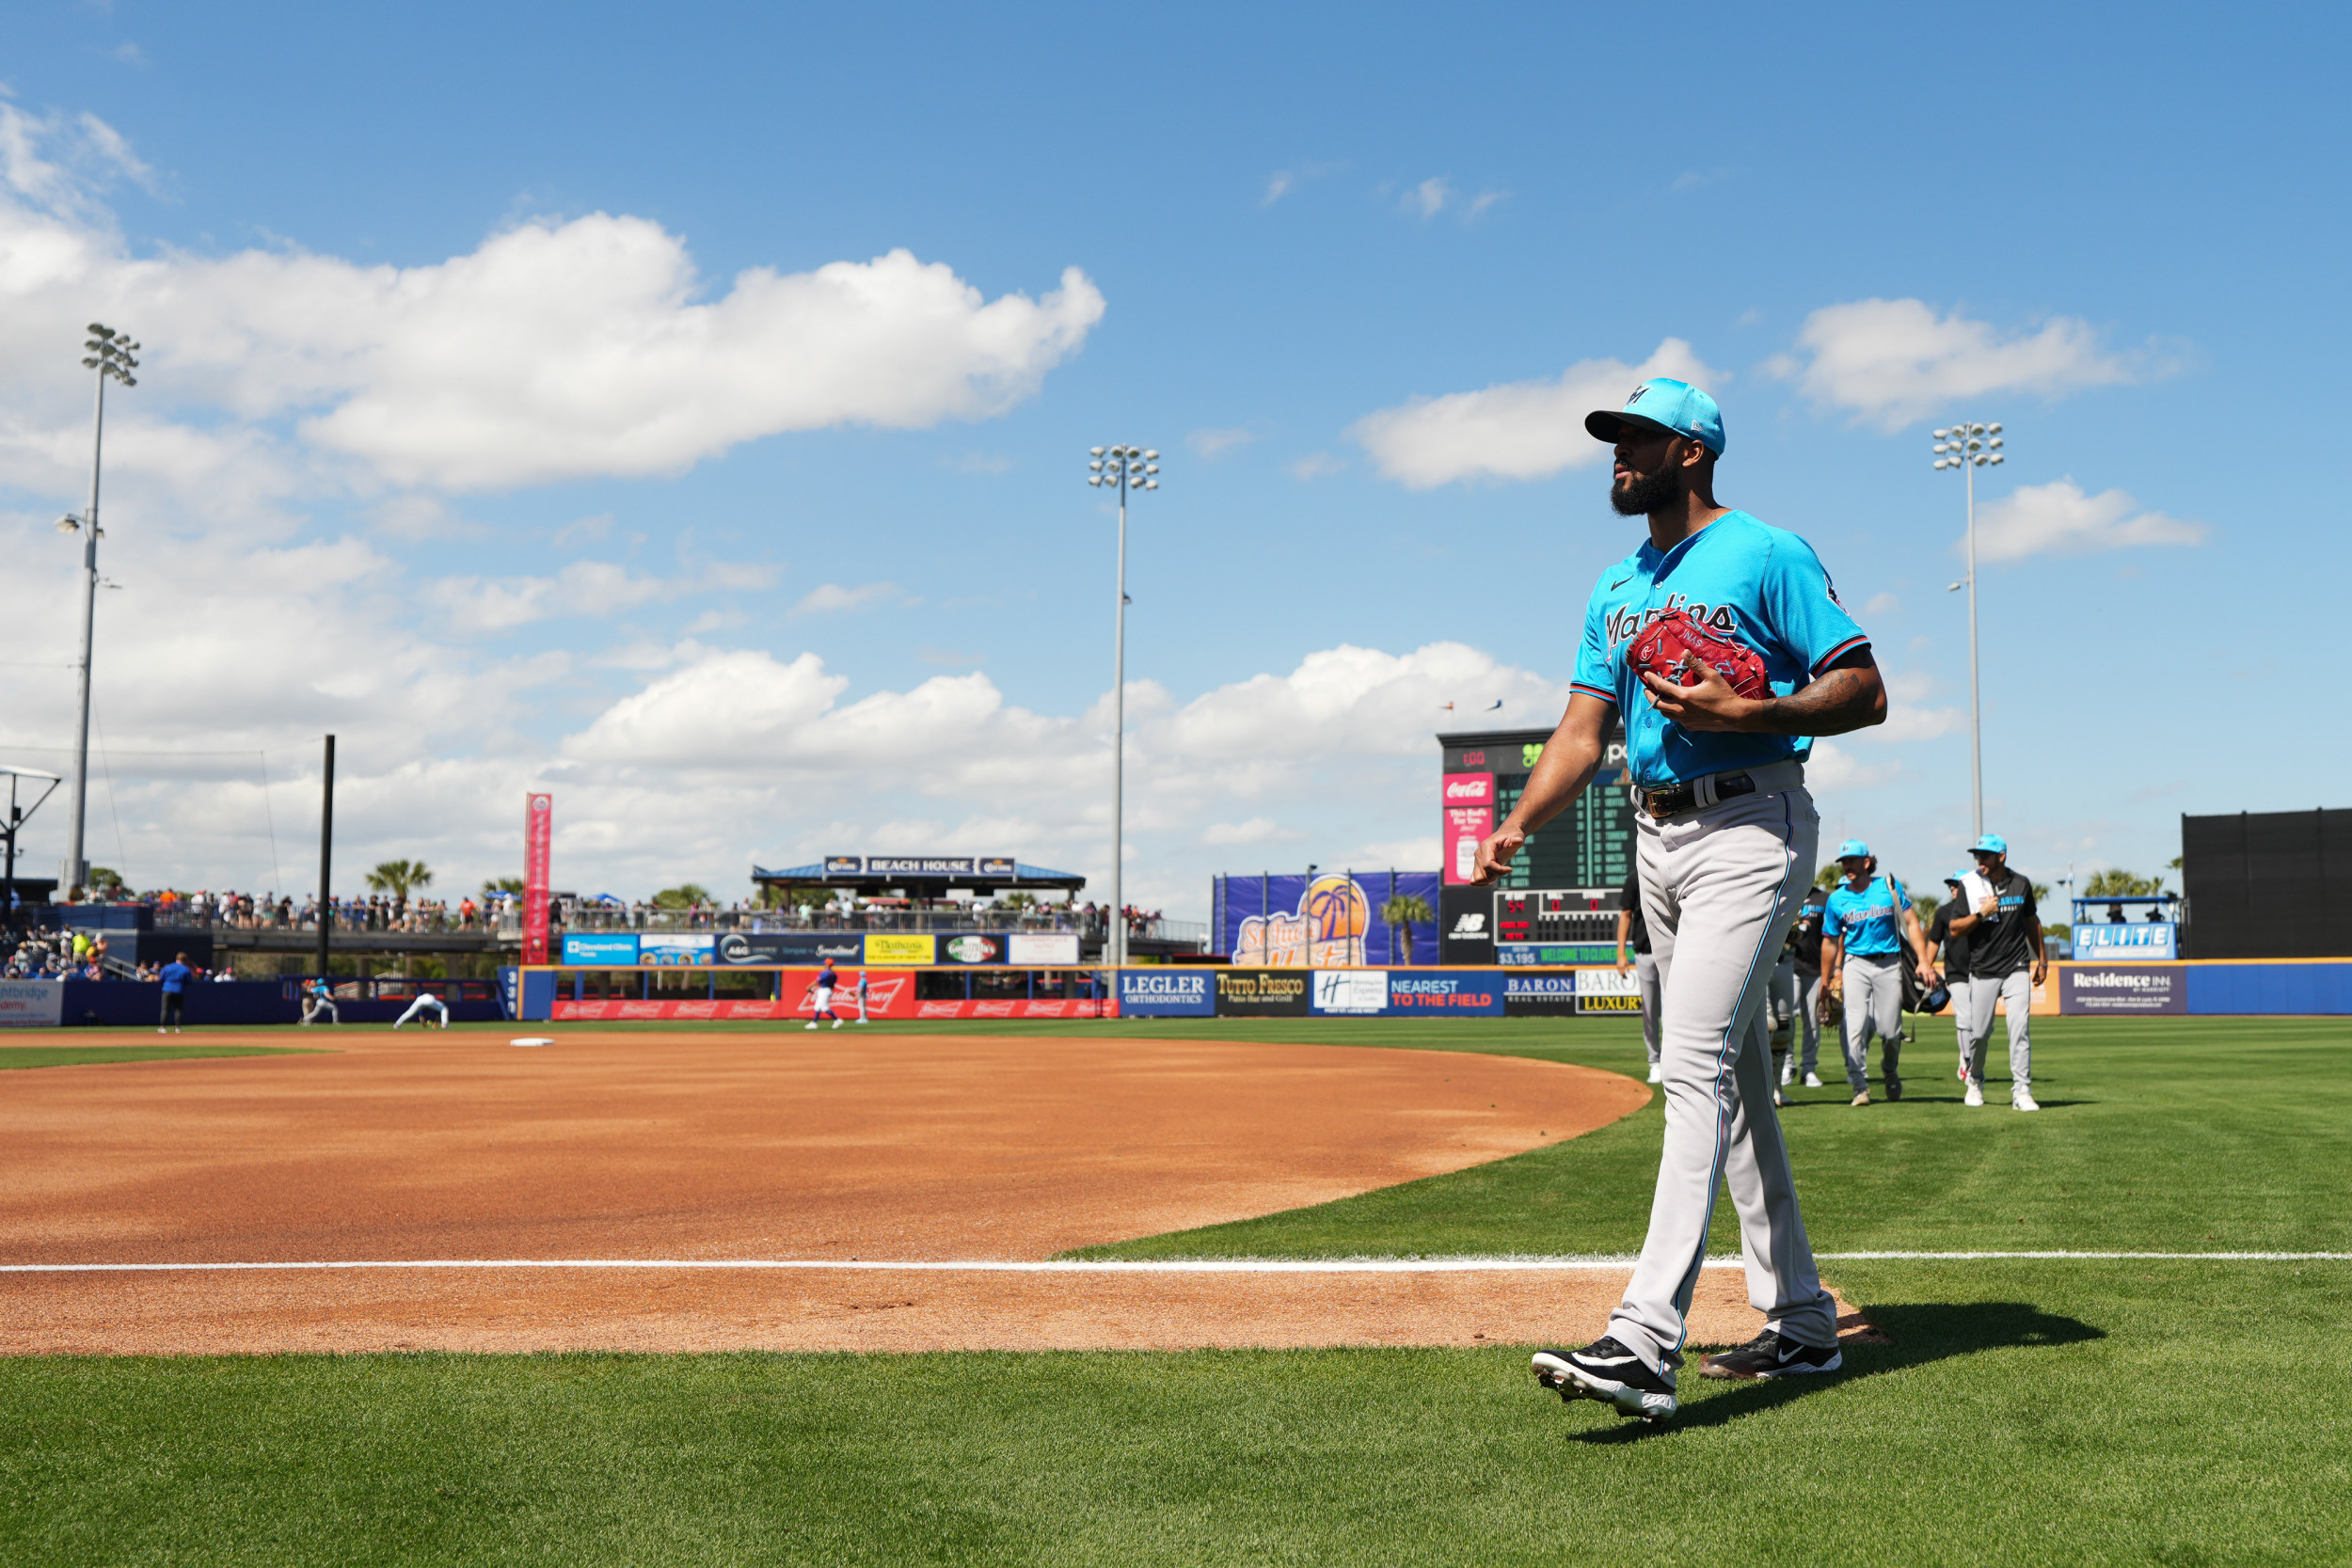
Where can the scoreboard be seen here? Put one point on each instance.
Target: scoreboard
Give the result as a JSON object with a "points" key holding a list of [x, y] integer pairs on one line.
{"points": [[1562, 890], [1589, 845]]}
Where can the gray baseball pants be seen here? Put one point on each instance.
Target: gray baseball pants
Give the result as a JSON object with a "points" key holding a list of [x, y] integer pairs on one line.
{"points": [[1874, 1005], [1809, 1017], [1984, 992], [1720, 886], [1646, 972], [1959, 1007]]}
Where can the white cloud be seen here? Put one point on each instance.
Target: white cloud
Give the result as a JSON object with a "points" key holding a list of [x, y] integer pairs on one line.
{"points": [[582, 588], [1428, 198], [1894, 361], [1880, 605], [1258, 830], [831, 595], [1482, 201], [1212, 444], [2059, 519], [1317, 465], [1521, 430], [1832, 767], [553, 350], [1279, 184], [1909, 716]]}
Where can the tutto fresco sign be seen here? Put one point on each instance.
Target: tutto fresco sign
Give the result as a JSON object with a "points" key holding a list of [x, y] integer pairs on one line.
{"points": [[1261, 993]]}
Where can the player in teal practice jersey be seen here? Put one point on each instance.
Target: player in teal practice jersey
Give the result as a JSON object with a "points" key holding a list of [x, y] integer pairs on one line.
{"points": [[1726, 842], [1867, 919]]}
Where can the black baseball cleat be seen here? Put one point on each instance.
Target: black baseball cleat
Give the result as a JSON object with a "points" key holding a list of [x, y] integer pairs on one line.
{"points": [[1769, 1355], [1894, 1088], [1607, 1372]]}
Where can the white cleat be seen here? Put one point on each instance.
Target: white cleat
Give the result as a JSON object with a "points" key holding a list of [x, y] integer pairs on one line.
{"points": [[1812, 1079], [836, 1023], [1863, 1098], [812, 1024], [2023, 1100], [1975, 1094], [1657, 1073]]}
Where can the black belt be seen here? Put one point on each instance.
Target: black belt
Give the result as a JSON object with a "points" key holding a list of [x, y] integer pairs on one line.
{"points": [[1674, 799]]}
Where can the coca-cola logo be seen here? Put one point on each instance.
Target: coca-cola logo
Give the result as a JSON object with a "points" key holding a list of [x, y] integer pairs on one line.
{"points": [[1469, 789]]}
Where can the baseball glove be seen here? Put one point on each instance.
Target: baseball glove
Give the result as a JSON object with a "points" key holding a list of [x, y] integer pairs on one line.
{"points": [[1831, 1012], [1659, 650]]}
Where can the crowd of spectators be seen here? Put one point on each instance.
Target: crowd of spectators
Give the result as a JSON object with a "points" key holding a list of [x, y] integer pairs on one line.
{"points": [[78, 956]]}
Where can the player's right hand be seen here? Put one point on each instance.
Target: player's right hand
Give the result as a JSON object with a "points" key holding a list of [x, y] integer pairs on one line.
{"points": [[1494, 856]]}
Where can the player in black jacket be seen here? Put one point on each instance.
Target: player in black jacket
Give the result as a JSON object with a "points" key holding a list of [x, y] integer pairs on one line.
{"points": [[1953, 971], [1804, 946]]}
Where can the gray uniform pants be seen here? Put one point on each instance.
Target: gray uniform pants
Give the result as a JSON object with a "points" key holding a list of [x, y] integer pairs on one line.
{"points": [[1646, 972], [1720, 887], [1809, 1017], [1874, 1005], [1975, 1012], [1959, 984]]}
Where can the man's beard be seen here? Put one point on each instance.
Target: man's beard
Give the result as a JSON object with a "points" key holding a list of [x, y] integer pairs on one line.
{"points": [[1640, 495]]}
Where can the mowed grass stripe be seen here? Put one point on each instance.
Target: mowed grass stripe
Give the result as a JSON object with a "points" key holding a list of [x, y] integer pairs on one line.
{"points": [[2157, 1136]]}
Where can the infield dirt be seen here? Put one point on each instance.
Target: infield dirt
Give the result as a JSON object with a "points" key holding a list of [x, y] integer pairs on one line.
{"points": [[705, 1145]]}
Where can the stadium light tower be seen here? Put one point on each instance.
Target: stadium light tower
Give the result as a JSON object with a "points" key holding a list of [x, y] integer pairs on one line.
{"points": [[1968, 448], [1127, 468], [110, 353]]}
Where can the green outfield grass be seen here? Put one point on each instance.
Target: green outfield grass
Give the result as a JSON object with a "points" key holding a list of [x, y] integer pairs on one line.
{"points": [[87, 1055], [2030, 1411]]}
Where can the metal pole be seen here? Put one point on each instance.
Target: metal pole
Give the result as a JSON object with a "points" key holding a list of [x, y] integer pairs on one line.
{"points": [[326, 854], [76, 867], [1117, 953], [1976, 712]]}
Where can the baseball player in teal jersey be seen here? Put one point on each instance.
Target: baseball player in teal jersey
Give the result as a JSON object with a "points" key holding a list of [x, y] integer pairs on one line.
{"points": [[1725, 840], [1864, 927]]}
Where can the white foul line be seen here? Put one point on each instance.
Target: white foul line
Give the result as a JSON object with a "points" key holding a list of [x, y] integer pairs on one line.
{"points": [[1217, 1265]]}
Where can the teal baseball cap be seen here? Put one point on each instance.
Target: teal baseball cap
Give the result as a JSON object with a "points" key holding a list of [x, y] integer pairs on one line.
{"points": [[1853, 848], [1991, 843], [1962, 874], [1662, 405]]}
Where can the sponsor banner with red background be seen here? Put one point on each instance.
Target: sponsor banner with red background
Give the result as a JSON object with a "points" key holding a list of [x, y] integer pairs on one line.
{"points": [[1469, 818], [890, 993], [538, 842]]}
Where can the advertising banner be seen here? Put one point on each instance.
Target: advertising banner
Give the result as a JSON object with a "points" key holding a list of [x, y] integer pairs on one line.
{"points": [[998, 865], [678, 949], [842, 865], [1329, 920], [33, 1004], [600, 947], [1262, 993], [1469, 819], [1041, 949], [918, 866], [790, 947], [971, 947], [538, 843], [1531, 994], [887, 996], [1165, 994], [1013, 1008], [2137, 941], [1350, 990], [1556, 953], [1456, 995], [2138, 990], [1466, 926], [901, 947], [1605, 990]]}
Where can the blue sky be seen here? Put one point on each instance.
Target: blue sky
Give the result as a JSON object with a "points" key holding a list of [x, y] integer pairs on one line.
{"points": [[418, 288]]}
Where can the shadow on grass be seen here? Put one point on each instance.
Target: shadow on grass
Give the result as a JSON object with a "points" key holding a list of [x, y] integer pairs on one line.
{"points": [[1920, 1333]]}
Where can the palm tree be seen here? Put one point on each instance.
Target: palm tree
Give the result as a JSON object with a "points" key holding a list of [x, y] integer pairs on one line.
{"points": [[1403, 911], [400, 877], [683, 897]]}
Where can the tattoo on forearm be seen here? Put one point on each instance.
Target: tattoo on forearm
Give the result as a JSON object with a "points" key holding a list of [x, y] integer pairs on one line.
{"points": [[1840, 699]]}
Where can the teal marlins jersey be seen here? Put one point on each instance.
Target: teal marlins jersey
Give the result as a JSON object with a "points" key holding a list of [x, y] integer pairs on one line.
{"points": [[1761, 586]]}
